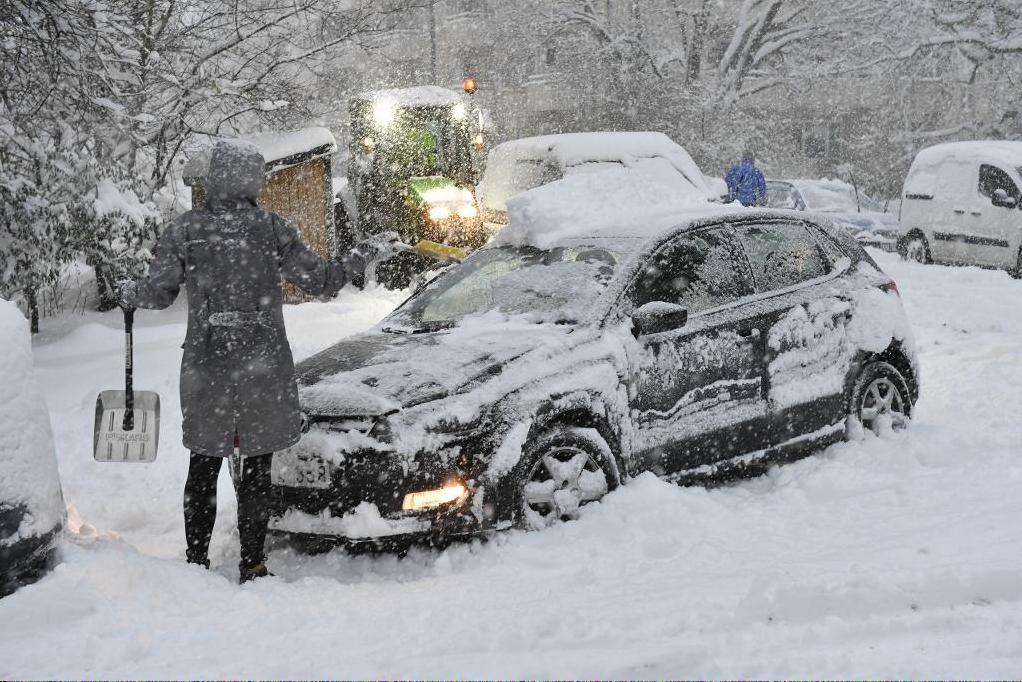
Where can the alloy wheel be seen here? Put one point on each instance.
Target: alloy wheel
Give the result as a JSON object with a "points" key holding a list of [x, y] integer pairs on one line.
{"points": [[915, 250], [882, 402], [560, 482]]}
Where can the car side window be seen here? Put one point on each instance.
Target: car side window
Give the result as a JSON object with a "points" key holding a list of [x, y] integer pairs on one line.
{"points": [[992, 178], [699, 270], [781, 254]]}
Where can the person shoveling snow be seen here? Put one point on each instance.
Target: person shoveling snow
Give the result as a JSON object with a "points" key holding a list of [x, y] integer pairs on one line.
{"points": [[237, 375]]}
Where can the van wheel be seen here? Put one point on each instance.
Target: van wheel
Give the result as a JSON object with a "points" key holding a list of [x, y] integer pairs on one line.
{"points": [[880, 398], [917, 249], [565, 470]]}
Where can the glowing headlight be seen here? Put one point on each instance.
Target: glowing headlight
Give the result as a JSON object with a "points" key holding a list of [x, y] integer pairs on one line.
{"points": [[438, 213], [467, 211], [426, 499], [383, 112], [458, 111]]}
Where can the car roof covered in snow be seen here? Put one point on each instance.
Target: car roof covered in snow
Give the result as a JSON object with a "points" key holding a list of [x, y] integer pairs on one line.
{"points": [[572, 149], [637, 203], [419, 96], [279, 149], [1004, 151]]}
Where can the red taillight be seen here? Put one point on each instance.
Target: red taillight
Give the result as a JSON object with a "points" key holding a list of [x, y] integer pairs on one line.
{"points": [[891, 286]]}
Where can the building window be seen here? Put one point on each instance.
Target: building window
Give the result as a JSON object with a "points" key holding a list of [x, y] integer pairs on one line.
{"points": [[549, 56]]}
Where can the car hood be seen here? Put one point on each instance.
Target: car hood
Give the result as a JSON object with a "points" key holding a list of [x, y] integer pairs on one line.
{"points": [[872, 221], [377, 373]]}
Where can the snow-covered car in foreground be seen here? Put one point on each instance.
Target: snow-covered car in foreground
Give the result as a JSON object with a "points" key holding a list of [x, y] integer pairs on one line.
{"points": [[520, 165], [593, 340], [32, 511], [962, 204], [842, 203]]}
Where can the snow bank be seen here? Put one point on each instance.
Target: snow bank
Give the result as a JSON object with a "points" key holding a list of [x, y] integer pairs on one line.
{"points": [[28, 464], [626, 202]]}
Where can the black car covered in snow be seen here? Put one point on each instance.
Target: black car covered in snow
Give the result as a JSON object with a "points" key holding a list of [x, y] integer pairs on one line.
{"points": [[555, 364], [32, 511]]}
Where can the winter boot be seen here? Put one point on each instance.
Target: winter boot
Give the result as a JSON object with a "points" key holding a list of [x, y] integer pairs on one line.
{"points": [[198, 560], [250, 574]]}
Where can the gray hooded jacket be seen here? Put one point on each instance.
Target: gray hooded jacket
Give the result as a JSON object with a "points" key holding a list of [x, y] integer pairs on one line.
{"points": [[237, 374]]}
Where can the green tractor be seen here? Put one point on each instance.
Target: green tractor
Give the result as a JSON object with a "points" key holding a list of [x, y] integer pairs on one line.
{"points": [[415, 160]]}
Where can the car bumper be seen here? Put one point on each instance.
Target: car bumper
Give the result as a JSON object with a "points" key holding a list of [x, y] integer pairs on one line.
{"points": [[363, 504]]}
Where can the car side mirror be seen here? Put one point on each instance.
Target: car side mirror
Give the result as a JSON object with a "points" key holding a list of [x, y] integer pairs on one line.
{"points": [[658, 316], [1002, 199]]}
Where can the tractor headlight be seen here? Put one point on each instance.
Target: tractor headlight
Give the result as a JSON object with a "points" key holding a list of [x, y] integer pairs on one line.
{"points": [[383, 112], [438, 213], [458, 112], [467, 211], [452, 491]]}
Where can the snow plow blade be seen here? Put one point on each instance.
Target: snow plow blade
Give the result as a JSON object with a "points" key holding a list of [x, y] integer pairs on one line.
{"points": [[439, 251], [138, 444]]}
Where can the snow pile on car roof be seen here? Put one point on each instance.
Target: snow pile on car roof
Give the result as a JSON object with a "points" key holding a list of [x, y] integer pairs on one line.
{"points": [[419, 96], [28, 464], [517, 166], [1006, 151], [638, 201]]}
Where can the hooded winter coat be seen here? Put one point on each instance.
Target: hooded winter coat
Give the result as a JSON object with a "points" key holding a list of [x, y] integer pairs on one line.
{"points": [[746, 183], [237, 373]]}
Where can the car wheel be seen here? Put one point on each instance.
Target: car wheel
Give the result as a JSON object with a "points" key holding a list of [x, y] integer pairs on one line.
{"points": [[1017, 272], [917, 249], [880, 398], [565, 470]]}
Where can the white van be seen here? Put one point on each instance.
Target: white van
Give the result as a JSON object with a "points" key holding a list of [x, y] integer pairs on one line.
{"points": [[962, 203]]}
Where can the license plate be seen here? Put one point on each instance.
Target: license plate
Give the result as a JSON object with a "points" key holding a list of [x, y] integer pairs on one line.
{"points": [[299, 468]]}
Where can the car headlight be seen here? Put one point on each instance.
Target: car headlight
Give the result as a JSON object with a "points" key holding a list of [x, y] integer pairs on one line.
{"points": [[438, 213], [452, 491], [467, 211]]}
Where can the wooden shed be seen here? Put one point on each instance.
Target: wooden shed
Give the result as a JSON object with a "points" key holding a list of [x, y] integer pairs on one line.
{"points": [[298, 186]]}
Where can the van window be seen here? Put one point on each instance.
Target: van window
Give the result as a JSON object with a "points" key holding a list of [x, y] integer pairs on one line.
{"points": [[992, 178]]}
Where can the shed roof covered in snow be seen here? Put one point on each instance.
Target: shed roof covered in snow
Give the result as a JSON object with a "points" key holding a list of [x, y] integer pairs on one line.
{"points": [[279, 150]]}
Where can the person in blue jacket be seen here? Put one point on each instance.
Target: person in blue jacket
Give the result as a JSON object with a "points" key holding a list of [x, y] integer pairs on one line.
{"points": [[745, 182]]}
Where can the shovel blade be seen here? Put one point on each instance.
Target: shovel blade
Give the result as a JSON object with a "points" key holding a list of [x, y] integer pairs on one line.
{"points": [[112, 443]]}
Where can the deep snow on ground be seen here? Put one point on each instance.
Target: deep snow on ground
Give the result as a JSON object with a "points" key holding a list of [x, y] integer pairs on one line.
{"points": [[892, 557]]}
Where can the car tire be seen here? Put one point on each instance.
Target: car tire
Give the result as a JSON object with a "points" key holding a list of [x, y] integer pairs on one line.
{"points": [[565, 469], [916, 248], [1017, 272], [880, 398]]}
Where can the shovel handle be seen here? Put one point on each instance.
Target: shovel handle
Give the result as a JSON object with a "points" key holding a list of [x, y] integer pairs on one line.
{"points": [[129, 355]]}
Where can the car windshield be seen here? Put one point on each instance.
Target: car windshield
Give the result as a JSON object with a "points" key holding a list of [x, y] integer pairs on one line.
{"points": [[558, 285], [505, 178], [837, 197], [782, 195]]}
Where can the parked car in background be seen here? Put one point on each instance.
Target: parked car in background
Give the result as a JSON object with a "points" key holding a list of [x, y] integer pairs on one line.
{"points": [[847, 206], [520, 165], [599, 336], [962, 204], [32, 511]]}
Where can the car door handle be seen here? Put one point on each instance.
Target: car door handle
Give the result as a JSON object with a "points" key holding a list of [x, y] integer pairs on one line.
{"points": [[976, 212], [959, 211], [747, 332]]}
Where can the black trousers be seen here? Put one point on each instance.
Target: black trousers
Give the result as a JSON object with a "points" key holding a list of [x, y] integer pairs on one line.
{"points": [[253, 490]]}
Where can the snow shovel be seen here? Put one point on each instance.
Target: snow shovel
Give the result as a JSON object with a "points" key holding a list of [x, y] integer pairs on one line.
{"points": [[128, 421]]}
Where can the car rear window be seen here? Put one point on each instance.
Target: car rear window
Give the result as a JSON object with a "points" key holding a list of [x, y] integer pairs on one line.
{"points": [[781, 254]]}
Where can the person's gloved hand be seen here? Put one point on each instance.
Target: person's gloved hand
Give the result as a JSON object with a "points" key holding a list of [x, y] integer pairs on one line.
{"points": [[355, 268], [127, 294]]}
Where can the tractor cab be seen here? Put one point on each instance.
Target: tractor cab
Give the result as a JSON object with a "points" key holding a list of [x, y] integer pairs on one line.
{"points": [[416, 157]]}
